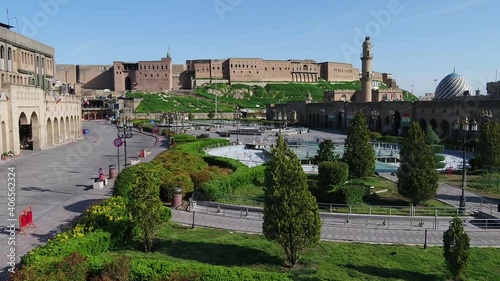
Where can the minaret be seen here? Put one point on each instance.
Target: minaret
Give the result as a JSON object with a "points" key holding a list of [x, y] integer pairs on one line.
{"points": [[366, 72]]}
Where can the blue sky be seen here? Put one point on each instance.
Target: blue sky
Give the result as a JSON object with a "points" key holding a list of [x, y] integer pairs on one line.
{"points": [[415, 40]]}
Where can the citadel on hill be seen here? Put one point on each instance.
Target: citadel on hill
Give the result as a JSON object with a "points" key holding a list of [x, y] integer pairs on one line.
{"points": [[163, 75]]}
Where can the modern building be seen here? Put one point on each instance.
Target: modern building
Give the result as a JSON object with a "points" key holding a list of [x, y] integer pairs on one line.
{"points": [[33, 115]]}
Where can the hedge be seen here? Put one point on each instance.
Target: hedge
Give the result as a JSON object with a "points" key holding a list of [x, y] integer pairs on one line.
{"points": [[216, 188], [440, 165], [332, 174], [197, 147], [184, 138], [90, 244], [437, 148], [353, 194], [111, 216], [439, 157], [392, 139], [152, 269], [224, 162], [124, 182]]}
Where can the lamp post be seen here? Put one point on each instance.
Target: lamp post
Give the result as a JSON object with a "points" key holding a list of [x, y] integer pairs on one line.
{"points": [[465, 126], [278, 117], [124, 126], [486, 115], [342, 115], [237, 117], [375, 114]]}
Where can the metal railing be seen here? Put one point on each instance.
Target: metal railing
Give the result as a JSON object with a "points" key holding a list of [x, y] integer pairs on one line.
{"points": [[355, 220], [384, 210]]}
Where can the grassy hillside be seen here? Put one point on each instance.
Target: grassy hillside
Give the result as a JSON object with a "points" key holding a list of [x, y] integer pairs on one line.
{"points": [[244, 96]]}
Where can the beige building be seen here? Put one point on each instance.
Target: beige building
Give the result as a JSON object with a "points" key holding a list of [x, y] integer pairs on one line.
{"points": [[257, 70], [158, 75], [32, 116]]}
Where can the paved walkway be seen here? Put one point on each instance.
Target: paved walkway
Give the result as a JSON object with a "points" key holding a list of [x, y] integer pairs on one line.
{"points": [[338, 233], [451, 196], [57, 183]]}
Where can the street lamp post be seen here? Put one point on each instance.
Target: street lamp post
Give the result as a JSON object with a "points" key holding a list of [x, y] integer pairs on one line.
{"points": [[237, 117], [375, 114], [465, 126], [124, 126]]}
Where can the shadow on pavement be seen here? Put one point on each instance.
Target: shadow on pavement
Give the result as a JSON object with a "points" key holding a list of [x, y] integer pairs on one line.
{"points": [[393, 273], [83, 205]]}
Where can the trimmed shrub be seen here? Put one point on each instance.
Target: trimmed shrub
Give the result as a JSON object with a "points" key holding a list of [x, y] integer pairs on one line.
{"points": [[151, 269], [353, 194], [440, 165], [439, 157], [124, 182], [223, 162], [218, 187], [376, 135], [111, 216], [436, 148], [392, 139], [66, 243], [332, 174], [196, 147], [184, 138]]}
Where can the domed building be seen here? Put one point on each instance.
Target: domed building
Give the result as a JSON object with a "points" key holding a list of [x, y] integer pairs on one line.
{"points": [[452, 85]]}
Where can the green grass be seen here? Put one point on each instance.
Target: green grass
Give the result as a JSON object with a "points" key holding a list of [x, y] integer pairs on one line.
{"points": [[253, 195], [324, 261], [485, 185], [241, 95], [158, 103]]}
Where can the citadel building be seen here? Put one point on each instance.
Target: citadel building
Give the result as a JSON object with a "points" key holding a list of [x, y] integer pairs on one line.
{"points": [[163, 75], [32, 115]]}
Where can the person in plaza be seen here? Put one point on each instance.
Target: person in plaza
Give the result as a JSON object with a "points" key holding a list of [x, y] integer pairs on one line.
{"points": [[102, 175]]}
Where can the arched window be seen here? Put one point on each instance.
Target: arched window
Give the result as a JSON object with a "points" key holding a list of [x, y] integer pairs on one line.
{"points": [[2, 52], [9, 54]]}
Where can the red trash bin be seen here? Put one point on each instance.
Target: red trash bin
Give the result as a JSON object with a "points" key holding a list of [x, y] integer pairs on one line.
{"points": [[177, 198]]}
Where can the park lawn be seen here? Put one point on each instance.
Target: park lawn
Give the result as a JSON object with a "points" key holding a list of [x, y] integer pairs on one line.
{"points": [[253, 195], [324, 261], [392, 196], [475, 184]]}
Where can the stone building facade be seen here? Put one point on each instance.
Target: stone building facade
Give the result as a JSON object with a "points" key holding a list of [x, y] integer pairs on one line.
{"points": [[390, 117], [257, 70], [31, 115], [157, 75]]}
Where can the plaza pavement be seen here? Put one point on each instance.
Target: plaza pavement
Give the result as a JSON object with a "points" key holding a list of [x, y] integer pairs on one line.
{"points": [[57, 183]]}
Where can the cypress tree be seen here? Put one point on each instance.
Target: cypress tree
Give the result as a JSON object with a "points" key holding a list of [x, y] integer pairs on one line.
{"points": [[417, 175], [291, 215], [358, 151]]}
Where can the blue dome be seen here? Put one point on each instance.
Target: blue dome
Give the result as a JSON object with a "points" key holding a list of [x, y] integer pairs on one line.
{"points": [[452, 85]]}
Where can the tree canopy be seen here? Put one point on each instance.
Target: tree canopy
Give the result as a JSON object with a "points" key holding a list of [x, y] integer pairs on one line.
{"points": [[488, 150], [358, 151], [417, 175], [291, 215], [326, 152]]}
